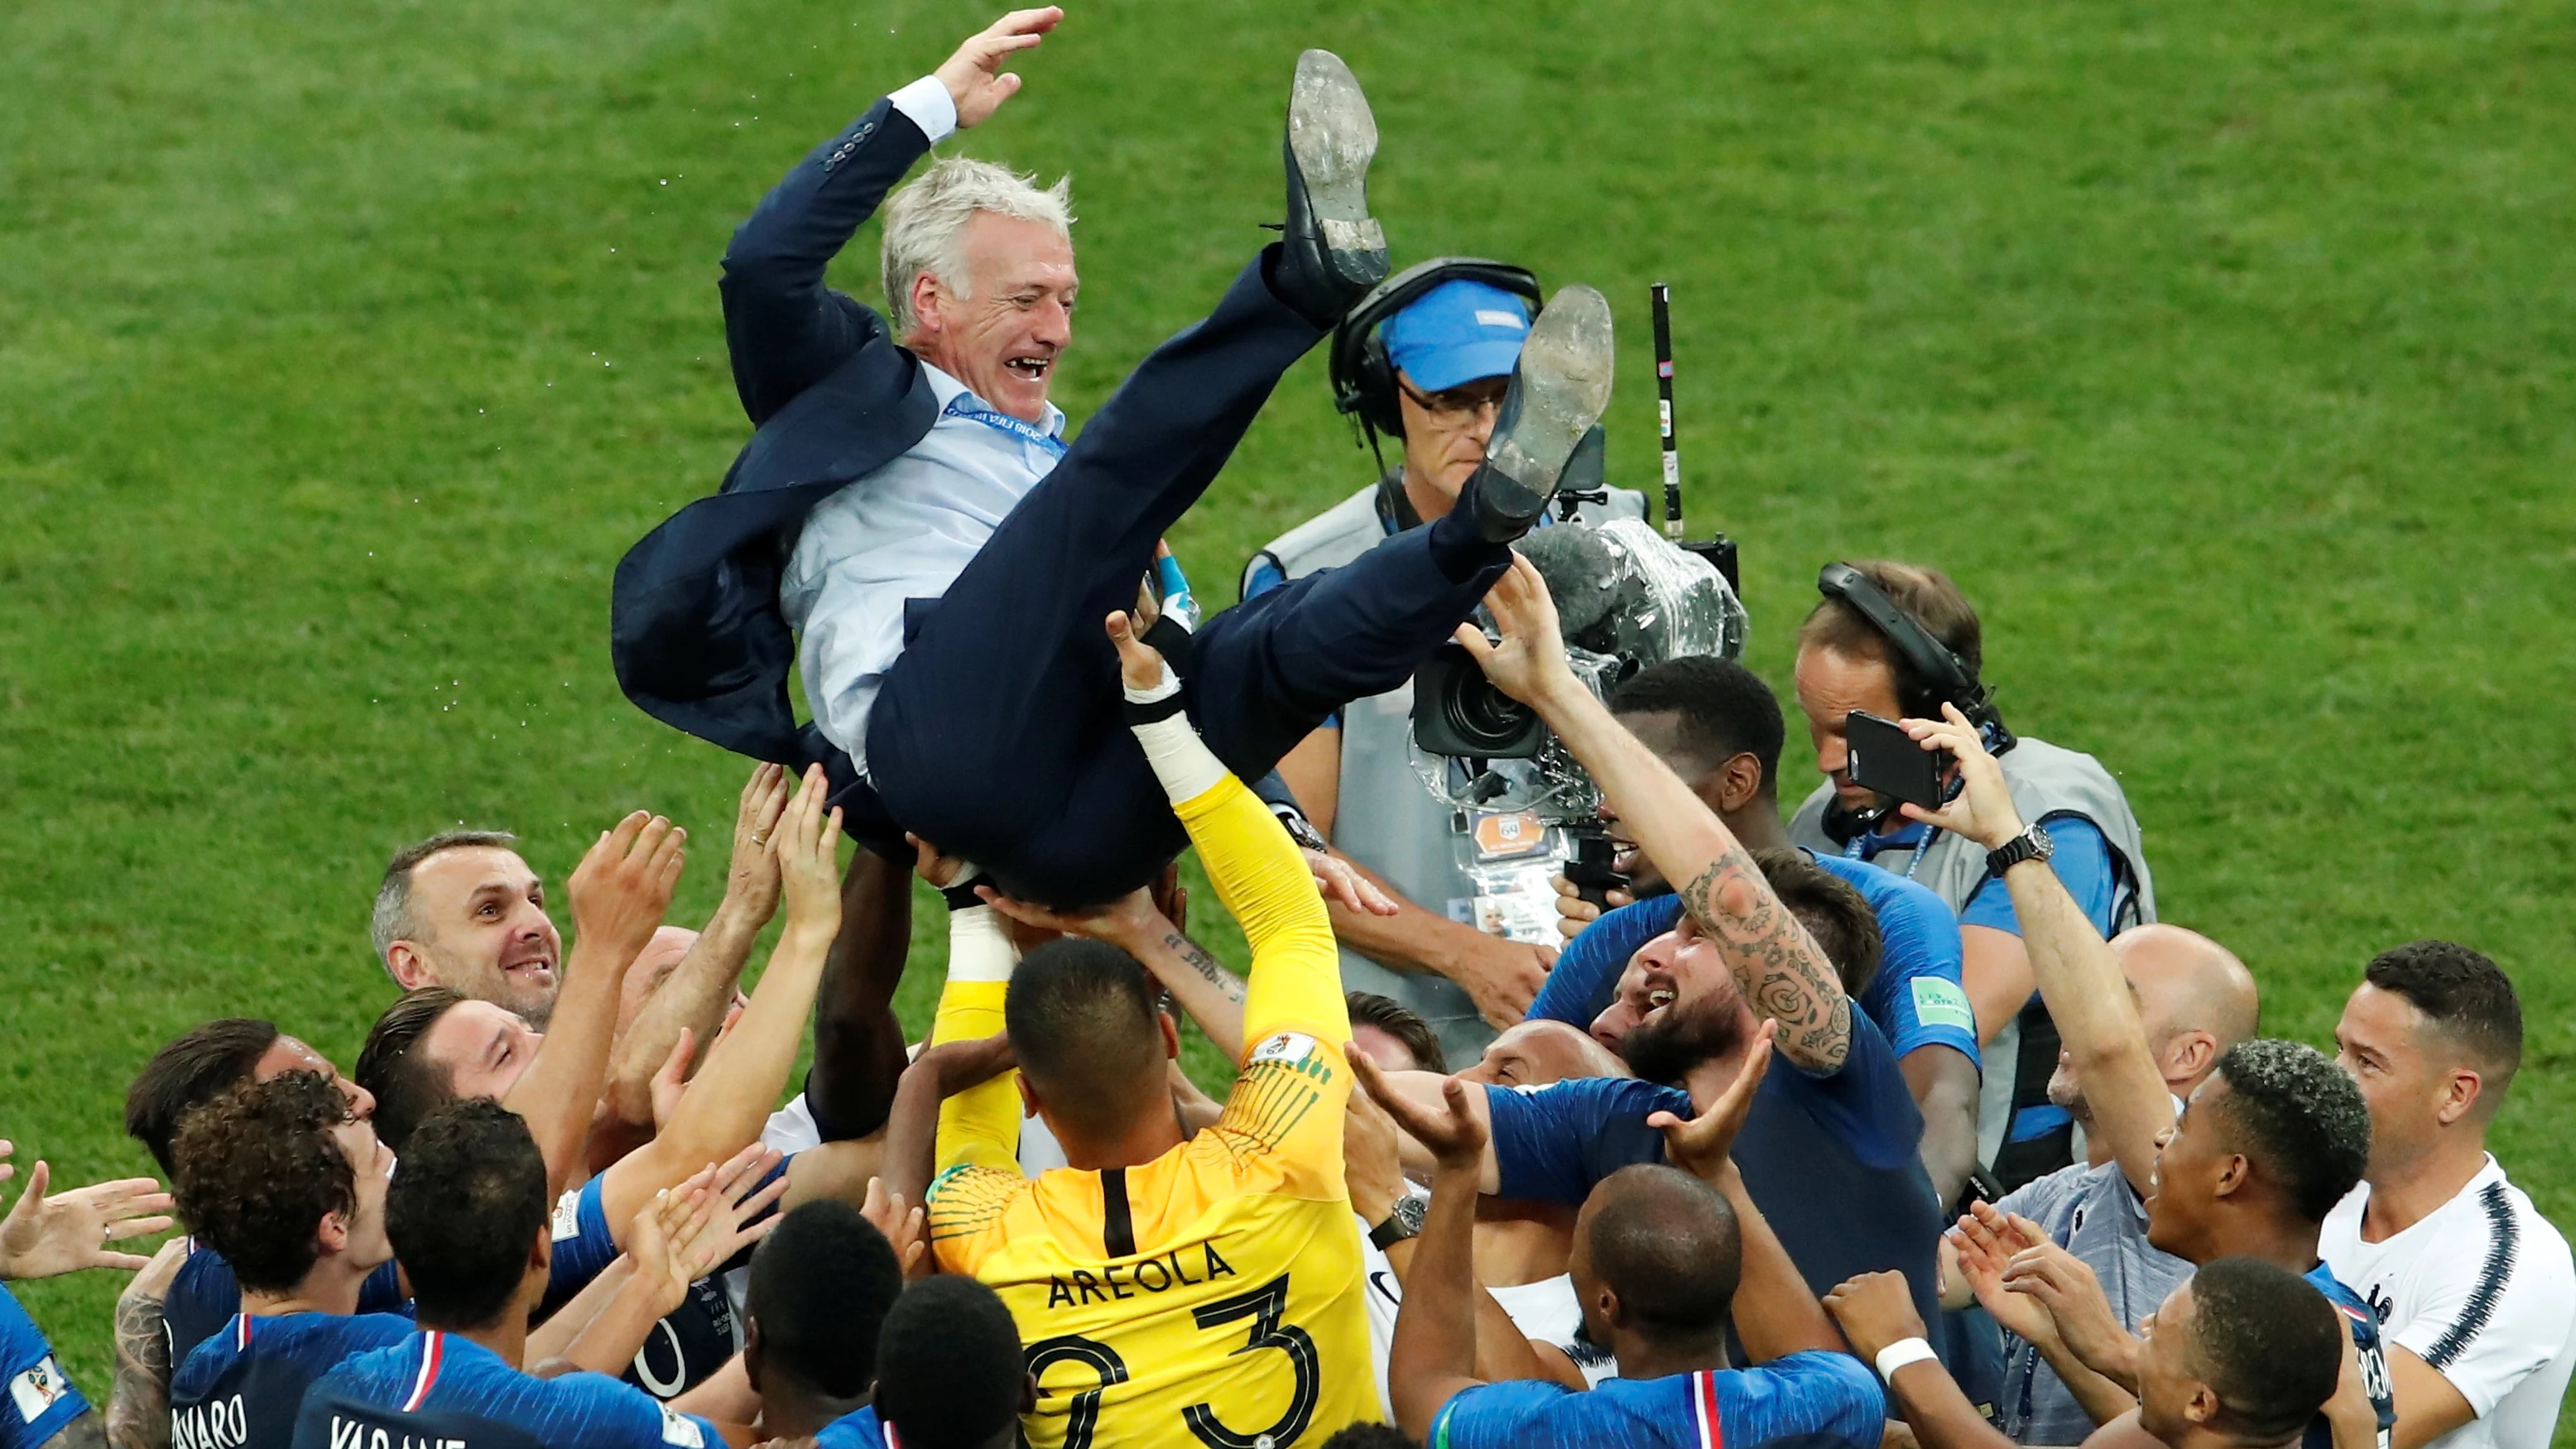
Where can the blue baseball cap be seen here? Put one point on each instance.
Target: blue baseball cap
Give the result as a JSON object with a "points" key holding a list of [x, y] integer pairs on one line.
{"points": [[1456, 333]]}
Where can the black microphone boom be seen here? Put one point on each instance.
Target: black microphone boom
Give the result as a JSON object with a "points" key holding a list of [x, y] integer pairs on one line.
{"points": [[1718, 549], [1663, 296]]}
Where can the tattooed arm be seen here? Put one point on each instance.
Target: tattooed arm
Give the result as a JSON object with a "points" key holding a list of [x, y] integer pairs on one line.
{"points": [[1776, 963], [84, 1432], [1210, 994], [138, 1402]]}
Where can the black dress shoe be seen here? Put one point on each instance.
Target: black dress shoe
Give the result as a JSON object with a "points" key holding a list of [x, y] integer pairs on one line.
{"points": [[1333, 250], [1559, 389]]}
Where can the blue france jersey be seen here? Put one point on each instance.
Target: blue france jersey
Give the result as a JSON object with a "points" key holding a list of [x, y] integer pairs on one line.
{"points": [[1831, 1161], [2356, 1311], [42, 1402], [454, 1381], [204, 1297], [1817, 1400], [692, 1340], [1916, 999], [244, 1385], [852, 1431]]}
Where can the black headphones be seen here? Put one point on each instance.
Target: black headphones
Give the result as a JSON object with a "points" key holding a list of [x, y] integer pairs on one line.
{"points": [[1364, 382], [1944, 677]]}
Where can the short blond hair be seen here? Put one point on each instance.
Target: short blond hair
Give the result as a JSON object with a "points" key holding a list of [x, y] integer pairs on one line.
{"points": [[924, 221]]}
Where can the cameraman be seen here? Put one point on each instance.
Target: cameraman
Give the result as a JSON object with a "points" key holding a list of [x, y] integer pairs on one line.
{"points": [[1899, 640], [1425, 359]]}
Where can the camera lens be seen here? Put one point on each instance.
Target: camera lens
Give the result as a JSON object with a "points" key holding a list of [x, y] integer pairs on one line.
{"points": [[1487, 717]]}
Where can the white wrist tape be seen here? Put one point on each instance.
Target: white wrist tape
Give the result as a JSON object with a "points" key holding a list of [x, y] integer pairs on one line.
{"points": [[1900, 1353], [1181, 760], [1161, 689], [980, 946]]}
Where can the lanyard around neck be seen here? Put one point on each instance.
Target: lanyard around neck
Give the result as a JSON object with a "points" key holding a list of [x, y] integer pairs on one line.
{"points": [[965, 405]]}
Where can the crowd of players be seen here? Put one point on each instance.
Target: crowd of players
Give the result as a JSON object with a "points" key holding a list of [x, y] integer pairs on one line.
{"points": [[1722, 1176]]}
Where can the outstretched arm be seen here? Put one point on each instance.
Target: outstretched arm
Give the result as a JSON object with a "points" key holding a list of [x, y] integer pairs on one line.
{"points": [[2078, 976], [138, 1399], [619, 893], [978, 1125], [694, 996], [1877, 1314], [1776, 1314], [1724, 897], [785, 329], [1433, 1356], [726, 1105], [1257, 870], [858, 1042]]}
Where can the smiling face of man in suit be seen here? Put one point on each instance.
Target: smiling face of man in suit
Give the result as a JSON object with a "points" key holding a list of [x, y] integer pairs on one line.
{"points": [[1003, 330]]}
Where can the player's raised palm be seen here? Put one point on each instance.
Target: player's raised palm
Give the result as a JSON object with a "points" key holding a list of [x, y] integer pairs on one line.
{"points": [[1700, 1144], [1454, 1134]]}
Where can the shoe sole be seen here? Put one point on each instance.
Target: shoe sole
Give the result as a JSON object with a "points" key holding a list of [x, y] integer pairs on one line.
{"points": [[1333, 136], [1560, 388]]}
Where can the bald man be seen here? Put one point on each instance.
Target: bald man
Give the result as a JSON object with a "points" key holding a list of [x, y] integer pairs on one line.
{"points": [[1537, 1052], [2141, 1019]]}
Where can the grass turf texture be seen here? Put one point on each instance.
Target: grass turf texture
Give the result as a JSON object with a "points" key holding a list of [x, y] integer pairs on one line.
{"points": [[2220, 352]]}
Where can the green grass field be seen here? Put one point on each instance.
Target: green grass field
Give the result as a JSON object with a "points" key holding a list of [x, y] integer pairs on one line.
{"points": [[2223, 353]]}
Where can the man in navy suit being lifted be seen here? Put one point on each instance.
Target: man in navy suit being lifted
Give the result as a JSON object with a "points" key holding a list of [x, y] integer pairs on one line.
{"points": [[909, 525]]}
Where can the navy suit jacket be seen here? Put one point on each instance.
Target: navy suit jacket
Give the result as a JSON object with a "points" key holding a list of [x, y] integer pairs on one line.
{"points": [[695, 629]]}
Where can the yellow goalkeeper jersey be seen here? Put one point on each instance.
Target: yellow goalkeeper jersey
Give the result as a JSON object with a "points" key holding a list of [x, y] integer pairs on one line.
{"points": [[1211, 1296]]}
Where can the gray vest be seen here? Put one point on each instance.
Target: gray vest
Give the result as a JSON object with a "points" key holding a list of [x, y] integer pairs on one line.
{"points": [[2047, 781], [1387, 820]]}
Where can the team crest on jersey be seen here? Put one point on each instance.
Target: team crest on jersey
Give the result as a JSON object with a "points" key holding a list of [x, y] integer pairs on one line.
{"points": [[37, 1389], [1287, 1046]]}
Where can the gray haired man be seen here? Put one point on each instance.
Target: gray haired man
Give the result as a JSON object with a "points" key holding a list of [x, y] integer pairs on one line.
{"points": [[909, 525]]}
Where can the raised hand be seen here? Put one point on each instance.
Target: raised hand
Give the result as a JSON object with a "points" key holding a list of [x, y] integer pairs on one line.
{"points": [[1985, 1243], [1372, 1162], [1454, 1135], [46, 1236], [751, 881], [1530, 658], [1132, 917], [974, 75], [902, 1226], [942, 871], [2065, 1287], [808, 847], [1983, 810], [1699, 1146], [622, 888], [671, 1079], [1140, 665]]}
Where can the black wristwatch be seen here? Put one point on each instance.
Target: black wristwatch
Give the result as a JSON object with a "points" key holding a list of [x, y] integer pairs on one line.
{"points": [[1402, 1222], [1300, 829], [2032, 844]]}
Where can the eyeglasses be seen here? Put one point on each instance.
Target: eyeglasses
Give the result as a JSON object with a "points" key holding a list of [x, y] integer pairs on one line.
{"points": [[1454, 406]]}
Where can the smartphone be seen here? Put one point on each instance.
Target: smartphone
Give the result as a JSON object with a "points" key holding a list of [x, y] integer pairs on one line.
{"points": [[1886, 759]]}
